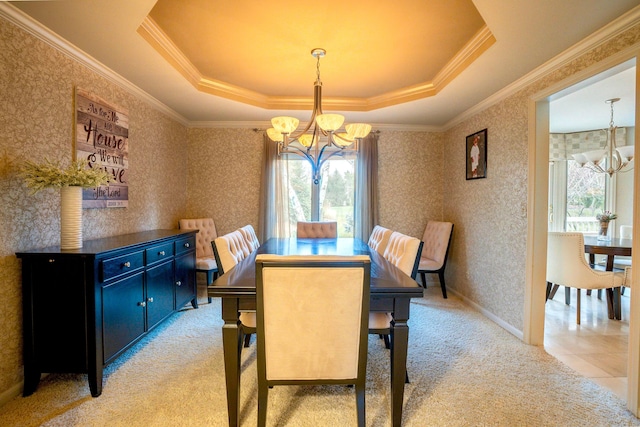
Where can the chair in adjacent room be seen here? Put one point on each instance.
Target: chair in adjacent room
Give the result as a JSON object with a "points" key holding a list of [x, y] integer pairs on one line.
{"points": [[379, 239], [303, 303], [433, 259], [404, 252], [567, 266], [229, 250], [317, 229], [205, 259]]}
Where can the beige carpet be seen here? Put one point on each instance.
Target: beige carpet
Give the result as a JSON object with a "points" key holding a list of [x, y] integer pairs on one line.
{"points": [[464, 371]]}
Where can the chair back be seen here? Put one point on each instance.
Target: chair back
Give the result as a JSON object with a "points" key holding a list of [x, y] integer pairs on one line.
{"points": [[567, 265], [229, 250], [317, 229], [250, 237], [205, 235], [379, 239], [627, 276], [626, 231], [312, 318], [437, 239], [404, 252]]}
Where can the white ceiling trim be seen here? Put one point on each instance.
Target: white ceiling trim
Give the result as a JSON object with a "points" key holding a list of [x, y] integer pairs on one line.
{"points": [[596, 39], [28, 24]]}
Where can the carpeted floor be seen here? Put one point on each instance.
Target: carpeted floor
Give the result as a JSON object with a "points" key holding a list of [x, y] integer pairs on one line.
{"points": [[464, 371]]}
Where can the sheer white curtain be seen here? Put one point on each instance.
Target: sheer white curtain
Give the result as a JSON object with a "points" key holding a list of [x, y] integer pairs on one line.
{"points": [[274, 203], [366, 191]]}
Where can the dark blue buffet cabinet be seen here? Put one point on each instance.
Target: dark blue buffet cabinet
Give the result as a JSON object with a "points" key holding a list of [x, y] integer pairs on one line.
{"points": [[82, 308]]}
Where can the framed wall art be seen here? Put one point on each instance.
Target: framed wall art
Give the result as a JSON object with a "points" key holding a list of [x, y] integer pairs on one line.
{"points": [[476, 151]]}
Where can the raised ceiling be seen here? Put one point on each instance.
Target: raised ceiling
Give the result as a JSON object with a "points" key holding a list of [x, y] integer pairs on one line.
{"points": [[260, 52], [262, 49]]}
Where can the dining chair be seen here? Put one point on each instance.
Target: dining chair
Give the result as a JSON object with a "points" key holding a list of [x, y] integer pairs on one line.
{"points": [[229, 250], [433, 259], [304, 302], [379, 239], [250, 237], [205, 259], [404, 252], [621, 262], [568, 267], [317, 229]]}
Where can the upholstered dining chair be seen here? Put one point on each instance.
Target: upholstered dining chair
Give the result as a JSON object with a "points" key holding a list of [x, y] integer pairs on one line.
{"points": [[205, 259], [229, 250], [250, 237], [379, 239], [433, 259], [404, 252], [568, 267], [304, 302], [317, 229]]}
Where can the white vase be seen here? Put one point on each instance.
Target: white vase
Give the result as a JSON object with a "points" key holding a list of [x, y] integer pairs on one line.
{"points": [[70, 217]]}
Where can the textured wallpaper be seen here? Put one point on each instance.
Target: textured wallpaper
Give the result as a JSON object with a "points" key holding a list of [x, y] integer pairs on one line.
{"points": [[488, 258], [36, 117]]}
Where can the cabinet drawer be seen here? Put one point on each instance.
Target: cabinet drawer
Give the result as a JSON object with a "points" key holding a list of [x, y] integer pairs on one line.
{"points": [[159, 253], [185, 245], [118, 266]]}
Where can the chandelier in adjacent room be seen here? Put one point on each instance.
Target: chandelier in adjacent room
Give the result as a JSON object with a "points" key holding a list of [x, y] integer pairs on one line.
{"points": [[321, 133], [612, 158]]}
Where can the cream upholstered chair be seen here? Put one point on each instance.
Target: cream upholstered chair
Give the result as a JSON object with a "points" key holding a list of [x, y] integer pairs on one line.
{"points": [[567, 266], [621, 262], [433, 259], [205, 259], [303, 302], [379, 239], [229, 250], [250, 237], [627, 277], [404, 252], [317, 229]]}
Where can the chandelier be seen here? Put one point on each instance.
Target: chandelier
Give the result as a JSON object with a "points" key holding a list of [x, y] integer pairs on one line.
{"points": [[319, 134], [613, 158]]}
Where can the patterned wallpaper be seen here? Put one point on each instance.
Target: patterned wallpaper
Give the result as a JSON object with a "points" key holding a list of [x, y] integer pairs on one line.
{"points": [[218, 175], [36, 117], [487, 263]]}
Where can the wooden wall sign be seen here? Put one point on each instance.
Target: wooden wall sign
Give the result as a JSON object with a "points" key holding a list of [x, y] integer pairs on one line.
{"points": [[102, 137]]}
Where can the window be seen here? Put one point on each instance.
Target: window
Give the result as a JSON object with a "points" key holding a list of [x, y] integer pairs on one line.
{"points": [[586, 197], [330, 200]]}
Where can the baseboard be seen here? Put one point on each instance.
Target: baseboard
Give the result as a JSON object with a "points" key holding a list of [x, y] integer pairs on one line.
{"points": [[509, 328], [11, 394]]}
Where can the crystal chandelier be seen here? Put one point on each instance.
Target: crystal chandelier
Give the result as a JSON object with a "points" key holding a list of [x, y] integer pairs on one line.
{"points": [[322, 130], [612, 158]]}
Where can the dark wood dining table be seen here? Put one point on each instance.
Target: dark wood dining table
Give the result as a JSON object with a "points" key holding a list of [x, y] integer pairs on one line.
{"points": [[610, 248], [391, 291]]}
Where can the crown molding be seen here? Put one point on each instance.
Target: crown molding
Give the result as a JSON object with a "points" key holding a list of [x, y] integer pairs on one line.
{"points": [[598, 38], [42, 33]]}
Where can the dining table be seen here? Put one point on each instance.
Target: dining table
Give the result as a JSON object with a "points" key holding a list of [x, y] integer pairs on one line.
{"points": [[610, 247], [390, 291]]}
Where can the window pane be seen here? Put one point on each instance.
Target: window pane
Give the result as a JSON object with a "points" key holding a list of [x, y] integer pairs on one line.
{"points": [[299, 184], [337, 194], [585, 198]]}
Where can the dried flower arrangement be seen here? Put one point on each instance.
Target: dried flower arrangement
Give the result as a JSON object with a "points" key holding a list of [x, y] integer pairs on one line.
{"points": [[39, 176], [606, 216]]}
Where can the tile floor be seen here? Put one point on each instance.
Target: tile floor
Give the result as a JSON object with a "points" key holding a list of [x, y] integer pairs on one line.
{"points": [[597, 348]]}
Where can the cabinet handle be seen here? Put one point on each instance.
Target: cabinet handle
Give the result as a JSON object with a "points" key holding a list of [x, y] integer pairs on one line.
{"points": [[142, 304], [161, 253], [179, 283], [187, 245], [126, 264], [150, 299]]}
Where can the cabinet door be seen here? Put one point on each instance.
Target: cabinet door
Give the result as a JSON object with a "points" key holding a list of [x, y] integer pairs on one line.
{"points": [[159, 293], [124, 312], [185, 279]]}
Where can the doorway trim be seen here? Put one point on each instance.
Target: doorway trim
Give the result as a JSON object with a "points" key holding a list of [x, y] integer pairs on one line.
{"points": [[537, 200]]}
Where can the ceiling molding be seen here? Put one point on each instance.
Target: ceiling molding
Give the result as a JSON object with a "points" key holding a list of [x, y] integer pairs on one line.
{"points": [[589, 43], [31, 26], [156, 37], [263, 125]]}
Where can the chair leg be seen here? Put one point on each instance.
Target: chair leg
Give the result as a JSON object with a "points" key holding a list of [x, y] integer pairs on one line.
{"points": [[360, 404], [567, 295], [424, 280], [442, 285], [387, 342], [263, 395], [551, 290], [247, 340], [578, 306]]}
